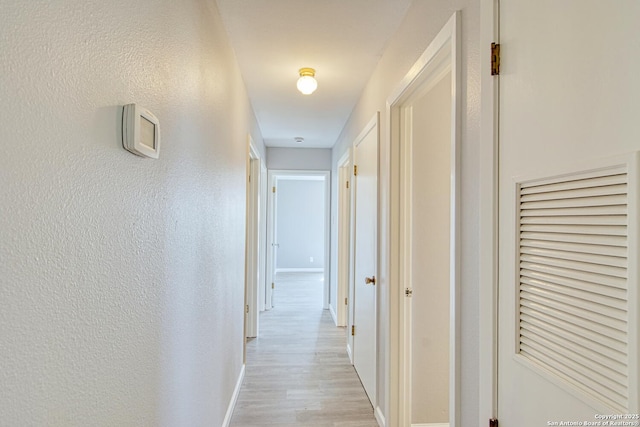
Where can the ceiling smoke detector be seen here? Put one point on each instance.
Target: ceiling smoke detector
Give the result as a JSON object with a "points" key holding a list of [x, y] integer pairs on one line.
{"points": [[299, 139]]}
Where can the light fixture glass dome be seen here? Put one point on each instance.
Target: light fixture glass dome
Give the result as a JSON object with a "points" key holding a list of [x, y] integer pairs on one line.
{"points": [[306, 83]]}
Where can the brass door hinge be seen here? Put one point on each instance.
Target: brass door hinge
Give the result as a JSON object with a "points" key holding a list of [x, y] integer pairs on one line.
{"points": [[408, 292], [353, 330], [345, 302], [273, 190], [249, 178], [273, 285], [247, 308], [495, 59], [493, 422], [347, 184], [355, 170]]}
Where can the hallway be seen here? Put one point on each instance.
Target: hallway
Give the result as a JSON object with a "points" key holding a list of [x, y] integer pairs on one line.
{"points": [[298, 372]]}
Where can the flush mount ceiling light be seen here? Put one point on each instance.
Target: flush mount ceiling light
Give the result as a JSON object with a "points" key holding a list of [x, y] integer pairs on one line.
{"points": [[306, 83], [299, 139]]}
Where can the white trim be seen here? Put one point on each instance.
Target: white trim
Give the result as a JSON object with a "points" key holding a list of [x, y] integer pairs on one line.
{"points": [[334, 316], [271, 261], [406, 255], [343, 234], [234, 399], [488, 212], [431, 425], [252, 241], [264, 197], [351, 237], [444, 47], [380, 417], [299, 270]]}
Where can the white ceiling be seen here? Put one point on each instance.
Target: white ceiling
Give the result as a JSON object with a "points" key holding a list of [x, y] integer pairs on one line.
{"points": [[342, 39]]}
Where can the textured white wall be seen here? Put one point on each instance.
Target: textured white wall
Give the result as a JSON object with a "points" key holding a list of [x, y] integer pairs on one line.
{"points": [[121, 278], [422, 23]]}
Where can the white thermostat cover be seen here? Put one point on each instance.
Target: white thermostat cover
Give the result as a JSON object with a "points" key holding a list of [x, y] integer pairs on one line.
{"points": [[140, 131]]}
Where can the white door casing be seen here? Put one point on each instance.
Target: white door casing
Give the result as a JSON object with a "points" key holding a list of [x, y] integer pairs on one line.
{"points": [[488, 218], [442, 56], [351, 284], [365, 184], [271, 248], [253, 251], [344, 240], [561, 128], [262, 271]]}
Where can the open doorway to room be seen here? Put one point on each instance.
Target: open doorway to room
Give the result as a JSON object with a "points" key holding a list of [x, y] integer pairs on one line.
{"points": [[298, 232], [255, 239], [425, 357], [340, 287]]}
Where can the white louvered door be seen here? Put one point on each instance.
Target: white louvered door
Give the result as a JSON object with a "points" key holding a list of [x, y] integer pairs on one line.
{"points": [[568, 215], [572, 292]]}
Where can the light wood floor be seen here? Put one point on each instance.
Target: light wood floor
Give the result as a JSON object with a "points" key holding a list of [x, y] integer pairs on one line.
{"points": [[298, 372]]}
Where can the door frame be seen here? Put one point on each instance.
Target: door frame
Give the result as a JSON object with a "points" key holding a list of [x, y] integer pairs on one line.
{"points": [[488, 217], [253, 251], [445, 48], [343, 254], [273, 176], [264, 197]]}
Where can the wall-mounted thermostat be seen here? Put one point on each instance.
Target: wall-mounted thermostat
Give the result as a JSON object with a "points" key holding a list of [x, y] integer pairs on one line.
{"points": [[140, 131]]}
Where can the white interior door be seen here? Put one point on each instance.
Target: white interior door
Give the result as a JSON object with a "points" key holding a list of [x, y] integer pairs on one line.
{"points": [[568, 283], [365, 256]]}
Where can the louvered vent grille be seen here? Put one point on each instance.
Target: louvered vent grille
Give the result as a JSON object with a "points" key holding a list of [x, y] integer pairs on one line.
{"points": [[573, 281]]}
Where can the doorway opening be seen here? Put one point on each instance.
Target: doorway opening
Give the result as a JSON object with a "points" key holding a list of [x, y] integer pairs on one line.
{"points": [[424, 305], [298, 229], [339, 305], [255, 239]]}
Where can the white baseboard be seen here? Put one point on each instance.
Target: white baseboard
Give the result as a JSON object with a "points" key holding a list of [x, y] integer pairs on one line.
{"points": [[234, 399], [380, 417], [299, 270], [350, 354], [431, 425], [333, 315]]}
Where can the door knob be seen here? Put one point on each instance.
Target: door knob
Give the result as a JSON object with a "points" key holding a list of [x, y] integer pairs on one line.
{"points": [[370, 280]]}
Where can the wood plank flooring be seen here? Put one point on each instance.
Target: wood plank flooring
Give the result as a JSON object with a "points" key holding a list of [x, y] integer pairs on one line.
{"points": [[298, 372]]}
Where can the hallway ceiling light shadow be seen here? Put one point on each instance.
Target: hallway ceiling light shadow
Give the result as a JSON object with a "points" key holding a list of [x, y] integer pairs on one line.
{"points": [[307, 84]]}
